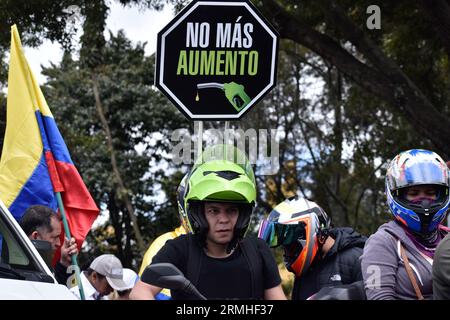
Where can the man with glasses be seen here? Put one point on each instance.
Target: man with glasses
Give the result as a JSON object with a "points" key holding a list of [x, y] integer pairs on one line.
{"points": [[318, 255]]}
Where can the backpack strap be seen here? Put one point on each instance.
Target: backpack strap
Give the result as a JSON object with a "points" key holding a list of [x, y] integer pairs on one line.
{"points": [[408, 268], [194, 260], [250, 250], [410, 273]]}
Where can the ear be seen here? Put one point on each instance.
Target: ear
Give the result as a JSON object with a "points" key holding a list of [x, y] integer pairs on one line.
{"points": [[34, 235]]}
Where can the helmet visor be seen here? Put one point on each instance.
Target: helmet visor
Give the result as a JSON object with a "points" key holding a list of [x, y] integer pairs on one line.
{"points": [[276, 234]]}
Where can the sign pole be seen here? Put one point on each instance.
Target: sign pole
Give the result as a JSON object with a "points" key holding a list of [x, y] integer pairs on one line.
{"points": [[215, 61], [225, 135], [225, 139], [199, 139]]}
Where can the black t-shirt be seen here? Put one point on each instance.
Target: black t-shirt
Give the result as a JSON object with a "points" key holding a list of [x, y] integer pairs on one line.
{"points": [[220, 278]]}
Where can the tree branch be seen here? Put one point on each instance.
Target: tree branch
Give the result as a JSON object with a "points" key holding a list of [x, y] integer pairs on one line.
{"points": [[386, 80], [121, 191], [291, 27], [405, 95]]}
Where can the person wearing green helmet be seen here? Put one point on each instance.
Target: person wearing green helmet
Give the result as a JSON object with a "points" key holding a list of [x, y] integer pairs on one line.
{"points": [[218, 258]]}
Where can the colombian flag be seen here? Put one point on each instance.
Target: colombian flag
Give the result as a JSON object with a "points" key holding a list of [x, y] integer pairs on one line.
{"points": [[35, 162]]}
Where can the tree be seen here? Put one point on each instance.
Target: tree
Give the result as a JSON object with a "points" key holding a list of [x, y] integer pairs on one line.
{"points": [[334, 142], [136, 115], [394, 64], [58, 21], [348, 99]]}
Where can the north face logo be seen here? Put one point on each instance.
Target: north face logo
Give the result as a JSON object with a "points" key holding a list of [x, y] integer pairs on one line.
{"points": [[336, 277]]}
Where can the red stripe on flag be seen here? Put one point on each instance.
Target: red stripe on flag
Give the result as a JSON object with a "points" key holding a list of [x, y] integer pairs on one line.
{"points": [[57, 185], [81, 210], [77, 200]]}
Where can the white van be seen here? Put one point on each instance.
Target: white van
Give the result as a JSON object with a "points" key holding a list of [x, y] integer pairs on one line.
{"points": [[23, 272]]}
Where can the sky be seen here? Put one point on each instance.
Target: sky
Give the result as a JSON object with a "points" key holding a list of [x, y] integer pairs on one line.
{"points": [[142, 26]]}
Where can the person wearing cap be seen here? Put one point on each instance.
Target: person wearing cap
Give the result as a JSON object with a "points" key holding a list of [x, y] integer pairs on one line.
{"points": [[130, 277], [104, 275]]}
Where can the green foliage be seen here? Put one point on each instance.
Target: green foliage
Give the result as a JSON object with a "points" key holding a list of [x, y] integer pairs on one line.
{"points": [[335, 141], [337, 134], [93, 41], [37, 20], [167, 217], [135, 113]]}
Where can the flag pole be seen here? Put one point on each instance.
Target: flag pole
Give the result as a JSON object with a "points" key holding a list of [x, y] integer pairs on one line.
{"points": [[68, 235]]}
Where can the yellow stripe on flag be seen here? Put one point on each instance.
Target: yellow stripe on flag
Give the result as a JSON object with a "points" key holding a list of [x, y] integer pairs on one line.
{"points": [[22, 146]]}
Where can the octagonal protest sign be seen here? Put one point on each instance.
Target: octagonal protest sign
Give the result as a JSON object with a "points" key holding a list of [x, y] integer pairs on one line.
{"points": [[216, 59]]}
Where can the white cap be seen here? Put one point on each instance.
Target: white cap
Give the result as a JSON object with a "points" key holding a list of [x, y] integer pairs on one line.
{"points": [[130, 278], [110, 266]]}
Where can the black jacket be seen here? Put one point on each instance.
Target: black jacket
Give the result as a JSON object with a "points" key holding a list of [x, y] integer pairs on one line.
{"points": [[61, 274], [341, 265]]}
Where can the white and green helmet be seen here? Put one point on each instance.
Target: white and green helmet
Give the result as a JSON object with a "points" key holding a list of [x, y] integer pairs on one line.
{"points": [[222, 174]]}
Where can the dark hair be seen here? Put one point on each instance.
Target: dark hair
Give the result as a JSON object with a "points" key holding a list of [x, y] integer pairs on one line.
{"points": [[121, 293], [35, 217]]}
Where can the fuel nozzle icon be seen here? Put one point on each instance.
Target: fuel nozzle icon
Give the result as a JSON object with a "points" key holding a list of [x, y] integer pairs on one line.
{"points": [[233, 91]]}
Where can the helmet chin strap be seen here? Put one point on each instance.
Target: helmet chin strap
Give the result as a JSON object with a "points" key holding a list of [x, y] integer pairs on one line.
{"points": [[323, 236], [232, 244], [234, 241], [321, 239], [427, 236], [240, 227]]}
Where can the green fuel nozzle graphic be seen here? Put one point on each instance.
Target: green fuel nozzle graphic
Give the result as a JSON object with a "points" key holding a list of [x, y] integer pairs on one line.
{"points": [[233, 91]]}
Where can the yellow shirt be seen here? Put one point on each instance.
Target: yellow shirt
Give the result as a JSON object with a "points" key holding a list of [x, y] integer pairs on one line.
{"points": [[157, 244]]}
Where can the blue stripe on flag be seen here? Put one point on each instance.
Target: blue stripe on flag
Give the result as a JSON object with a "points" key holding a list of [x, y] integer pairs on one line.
{"points": [[52, 139], [37, 190]]}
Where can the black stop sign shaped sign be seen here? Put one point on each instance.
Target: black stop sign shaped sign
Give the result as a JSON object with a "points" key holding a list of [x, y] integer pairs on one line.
{"points": [[216, 59]]}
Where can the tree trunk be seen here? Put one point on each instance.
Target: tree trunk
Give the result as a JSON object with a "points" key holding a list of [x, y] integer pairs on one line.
{"points": [[117, 224], [121, 191]]}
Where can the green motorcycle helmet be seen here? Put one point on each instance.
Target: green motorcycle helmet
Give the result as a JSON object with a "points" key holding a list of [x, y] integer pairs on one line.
{"points": [[222, 174]]}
